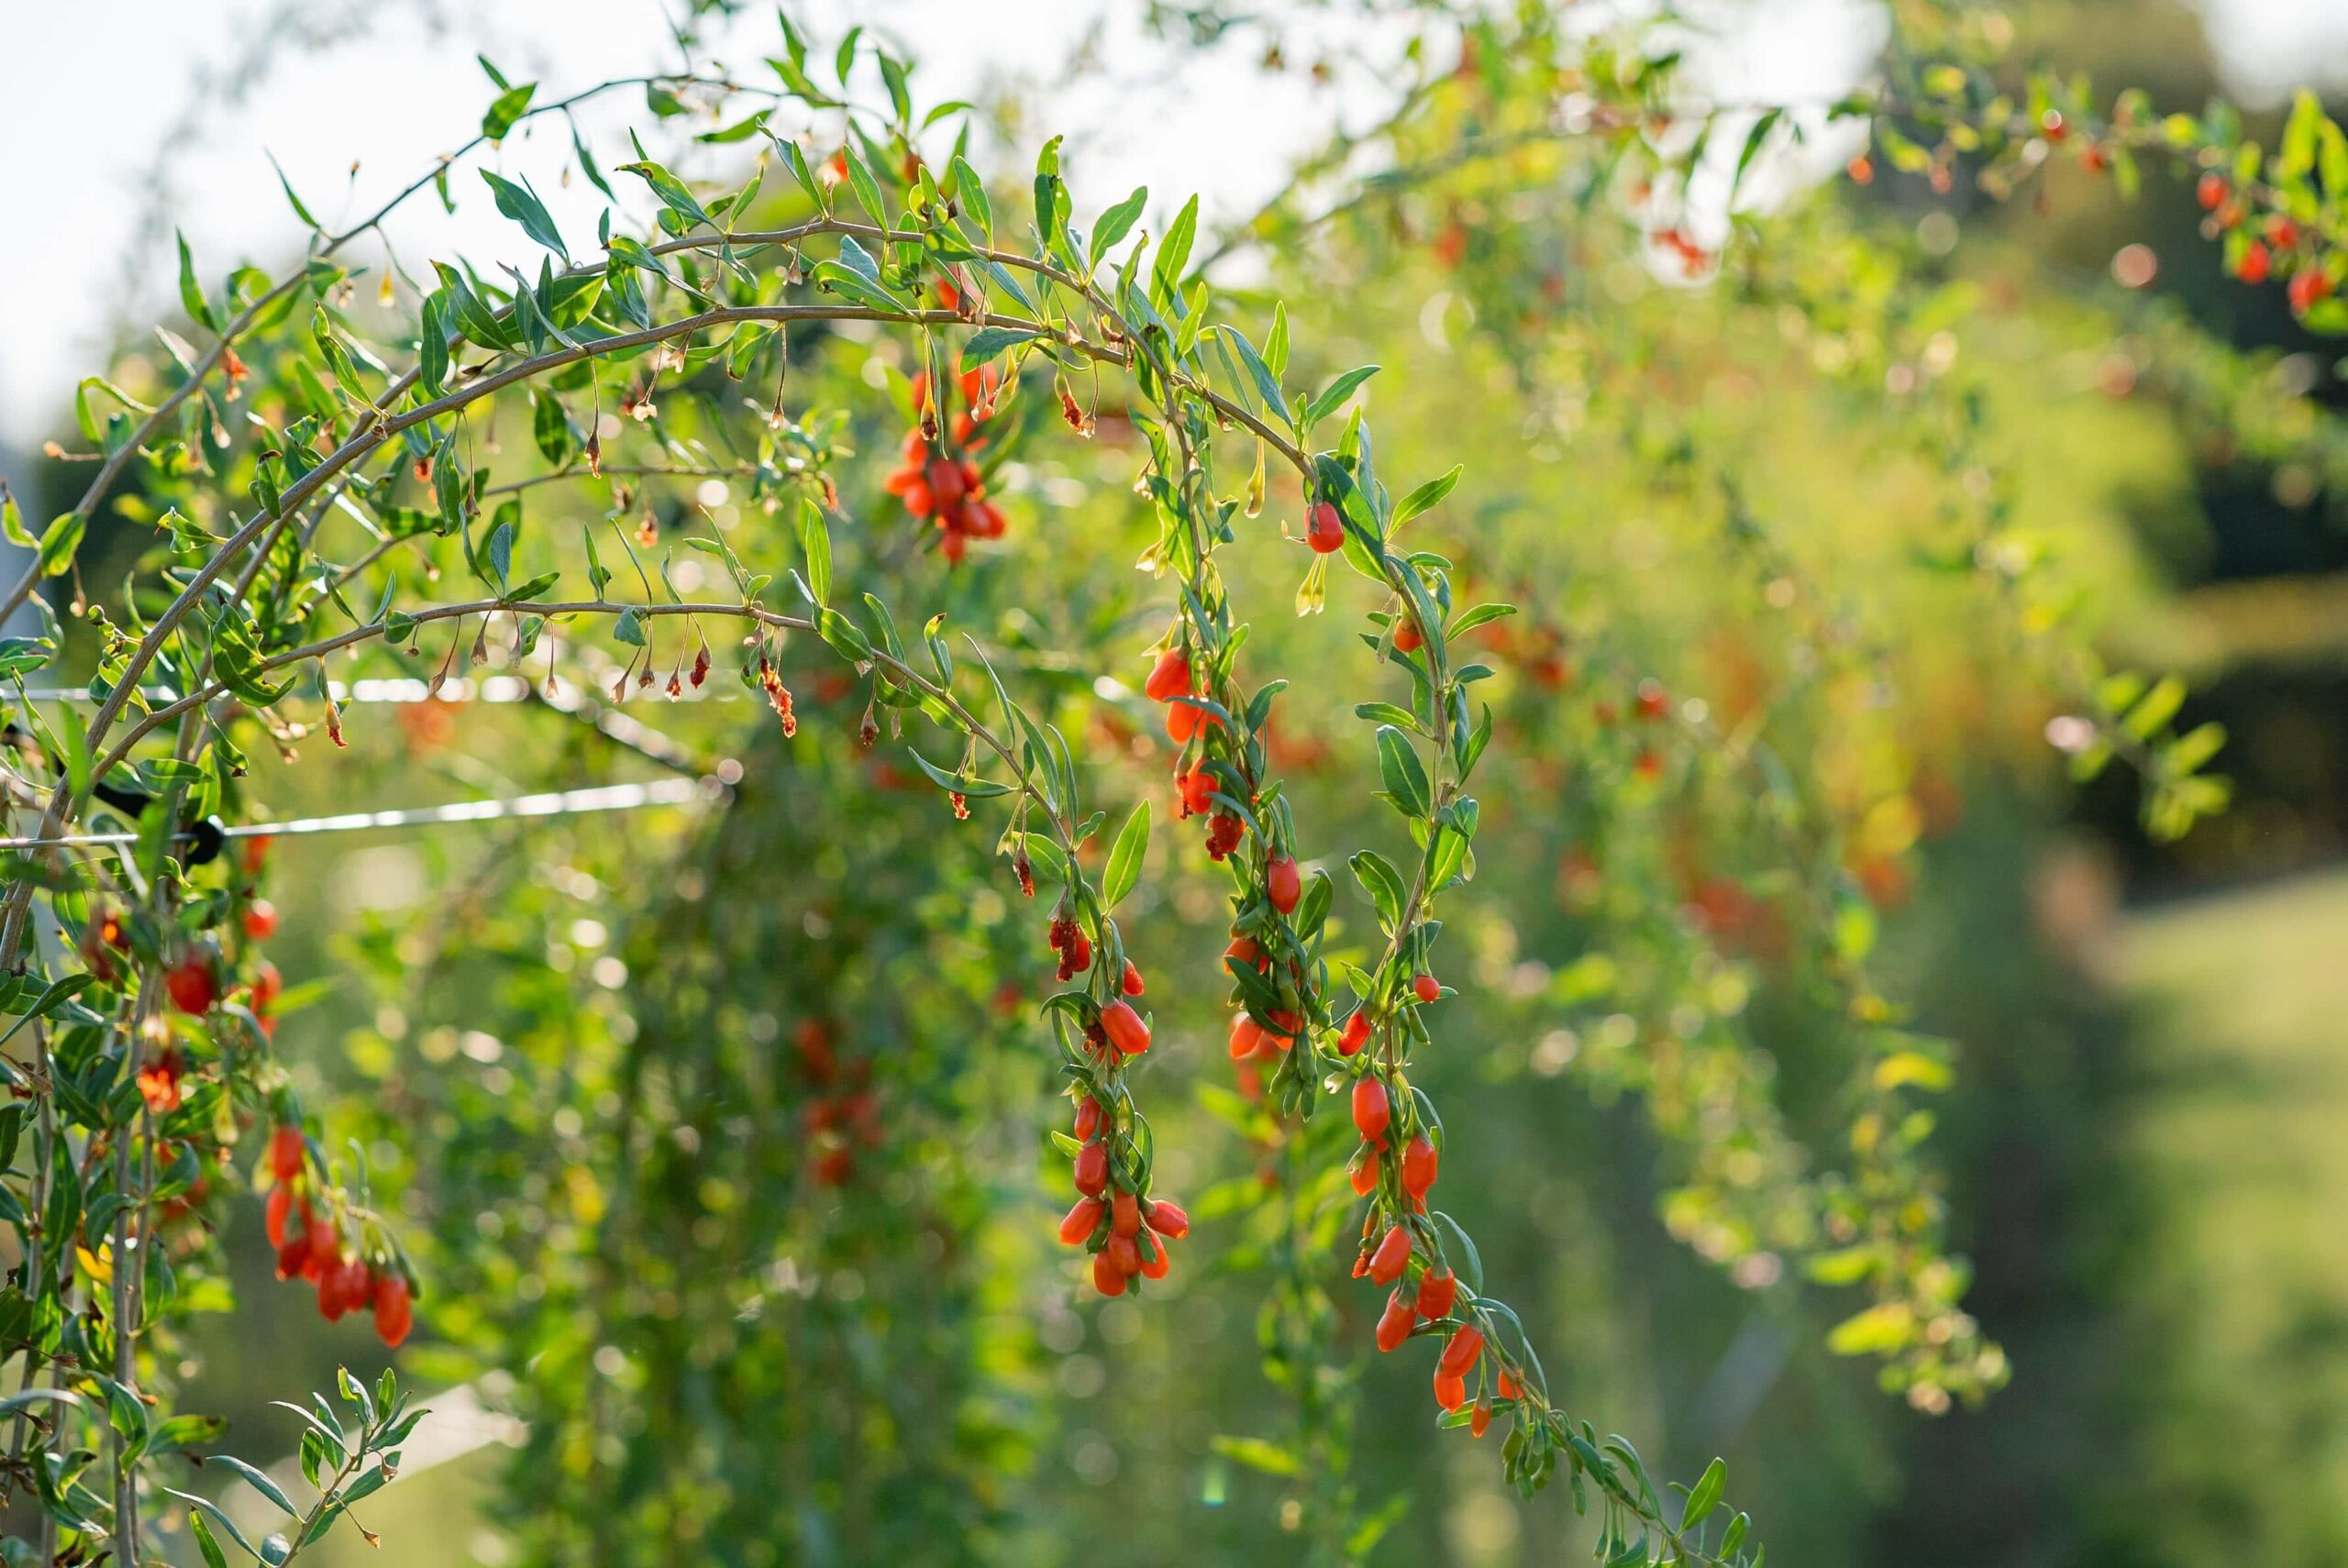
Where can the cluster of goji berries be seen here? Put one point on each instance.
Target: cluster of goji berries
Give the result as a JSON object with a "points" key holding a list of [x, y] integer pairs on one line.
{"points": [[2274, 245], [1171, 682], [1254, 1042], [844, 1113], [1114, 1217], [1126, 1231], [1420, 1290], [944, 485], [347, 1280], [198, 978]]}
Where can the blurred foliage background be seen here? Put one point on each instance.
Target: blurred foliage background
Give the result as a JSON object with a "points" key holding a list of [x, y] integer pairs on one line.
{"points": [[1699, 485]]}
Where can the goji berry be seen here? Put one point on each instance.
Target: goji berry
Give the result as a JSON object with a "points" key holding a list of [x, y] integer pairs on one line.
{"points": [[1106, 1279], [1169, 677], [1419, 1162], [1126, 1032], [1282, 883], [393, 1310], [1394, 1324], [1092, 1169], [191, 985], [1392, 1256], [1324, 530], [1076, 1228]]}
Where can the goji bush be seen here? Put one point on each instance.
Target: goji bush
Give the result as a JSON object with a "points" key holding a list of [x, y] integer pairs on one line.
{"points": [[734, 1208]]}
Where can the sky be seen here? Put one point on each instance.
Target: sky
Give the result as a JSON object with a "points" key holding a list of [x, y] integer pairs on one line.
{"points": [[106, 101], [393, 84]]}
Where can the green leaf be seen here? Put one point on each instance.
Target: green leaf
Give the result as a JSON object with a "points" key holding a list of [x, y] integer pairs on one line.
{"points": [[990, 343], [1381, 883], [861, 180], [858, 261], [59, 543], [969, 788], [1469, 619], [1258, 1455], [1754, 139], [287, 185], [1117, 223], [1425, 497], [668, 188], [816, 542], [211, 1510], [522, 204], [2296, 158], [199, 309], [1268, 384], [1405, 775], [213, 1556], [1124, 869], [971, 192], [29, 1398], [505, 110], [1336, 393], [842, 635], [432, 344], [1705, 1495], [1879, 1330], [256, 1480], [549, 427], [1174, 251]]}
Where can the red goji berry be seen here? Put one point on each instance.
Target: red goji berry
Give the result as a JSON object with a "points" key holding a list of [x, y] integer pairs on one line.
{"points": [[393, 1310], [1392, 1256], [1394, 1324], [1324, 530], [1126, 1032], [1419, 1161], [1106, 1279], [1092, 1169], [1282, 884], [1438, 1290], [1169, 677], [1076, 1228]]}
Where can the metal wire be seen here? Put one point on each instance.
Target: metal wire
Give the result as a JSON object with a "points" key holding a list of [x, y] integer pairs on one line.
{"points": [[552, 803]]}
